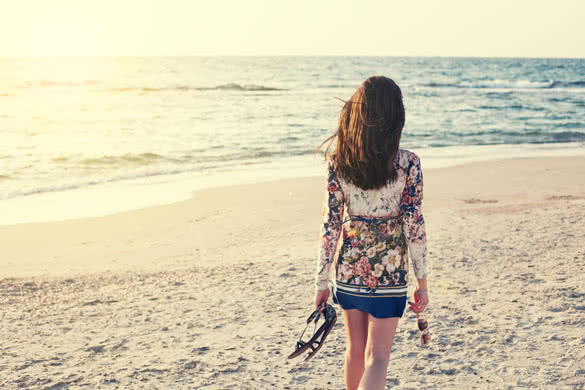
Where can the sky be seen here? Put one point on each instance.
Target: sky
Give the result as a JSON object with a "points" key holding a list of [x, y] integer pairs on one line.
{"points": [[470, 28]]}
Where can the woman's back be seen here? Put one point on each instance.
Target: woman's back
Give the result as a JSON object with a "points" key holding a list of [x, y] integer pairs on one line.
{"points": [[379, 202]]}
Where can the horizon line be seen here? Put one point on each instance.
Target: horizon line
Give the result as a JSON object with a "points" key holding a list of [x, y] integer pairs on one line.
{"points": [[282, 55]]}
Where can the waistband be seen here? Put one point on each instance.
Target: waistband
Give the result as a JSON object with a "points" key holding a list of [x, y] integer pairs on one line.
{"points": [[365, 291], [373, 220]]}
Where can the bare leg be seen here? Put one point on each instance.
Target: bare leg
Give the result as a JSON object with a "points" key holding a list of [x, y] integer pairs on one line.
{"points": [[356, 325], [381, 333]]}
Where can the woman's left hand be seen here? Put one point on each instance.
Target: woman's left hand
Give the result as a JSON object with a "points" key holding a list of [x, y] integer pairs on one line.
{"points": [[421, 300], [321, 297]]}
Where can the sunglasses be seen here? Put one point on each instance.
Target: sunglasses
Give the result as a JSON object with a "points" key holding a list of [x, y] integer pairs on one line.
{"points": [[319, 335], [423, 326]]}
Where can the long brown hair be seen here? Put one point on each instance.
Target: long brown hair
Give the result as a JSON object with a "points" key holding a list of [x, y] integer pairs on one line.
{"points": [[368, 134]]}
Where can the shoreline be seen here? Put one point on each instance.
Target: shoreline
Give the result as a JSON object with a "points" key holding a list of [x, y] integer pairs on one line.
{"points": [[213, 223], [110, 198]]}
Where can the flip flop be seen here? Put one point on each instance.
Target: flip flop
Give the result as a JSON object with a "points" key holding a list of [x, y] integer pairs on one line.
{"points": [[330, 317]]}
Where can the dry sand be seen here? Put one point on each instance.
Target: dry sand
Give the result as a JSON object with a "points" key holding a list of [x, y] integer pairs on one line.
{"points": [[212, 293]]}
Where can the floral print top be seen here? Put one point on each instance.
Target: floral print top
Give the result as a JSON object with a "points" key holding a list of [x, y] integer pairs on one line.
{"points": [[378, 228]]}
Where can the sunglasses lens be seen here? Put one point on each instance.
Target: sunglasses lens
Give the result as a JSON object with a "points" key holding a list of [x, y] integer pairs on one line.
{"points": [[422, 325]]}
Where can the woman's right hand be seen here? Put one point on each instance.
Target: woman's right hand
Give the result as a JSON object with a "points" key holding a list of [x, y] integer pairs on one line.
{"points": [[421, 300]]}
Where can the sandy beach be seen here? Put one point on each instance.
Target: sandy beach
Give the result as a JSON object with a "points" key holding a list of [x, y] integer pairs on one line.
{"points": [[213, 292]]}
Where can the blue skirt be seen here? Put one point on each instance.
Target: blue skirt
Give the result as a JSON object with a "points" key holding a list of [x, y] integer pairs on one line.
{"points": [[379, 307]]}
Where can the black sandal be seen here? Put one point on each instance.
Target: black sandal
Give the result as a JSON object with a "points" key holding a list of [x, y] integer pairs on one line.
{"points": [[330, 317]]}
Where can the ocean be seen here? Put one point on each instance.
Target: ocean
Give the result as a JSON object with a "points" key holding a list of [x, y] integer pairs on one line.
{"points": [[89, 136]]}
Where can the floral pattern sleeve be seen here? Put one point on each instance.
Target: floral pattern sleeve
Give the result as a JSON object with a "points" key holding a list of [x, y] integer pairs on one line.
{"points": [[411, 212], [333, 206]]}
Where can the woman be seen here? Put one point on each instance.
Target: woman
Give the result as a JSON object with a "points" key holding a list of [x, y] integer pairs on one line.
{"points": [[373, 200]]}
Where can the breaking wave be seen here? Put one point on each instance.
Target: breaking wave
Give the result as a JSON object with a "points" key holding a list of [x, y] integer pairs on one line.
{"points": [[510, 84]]}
